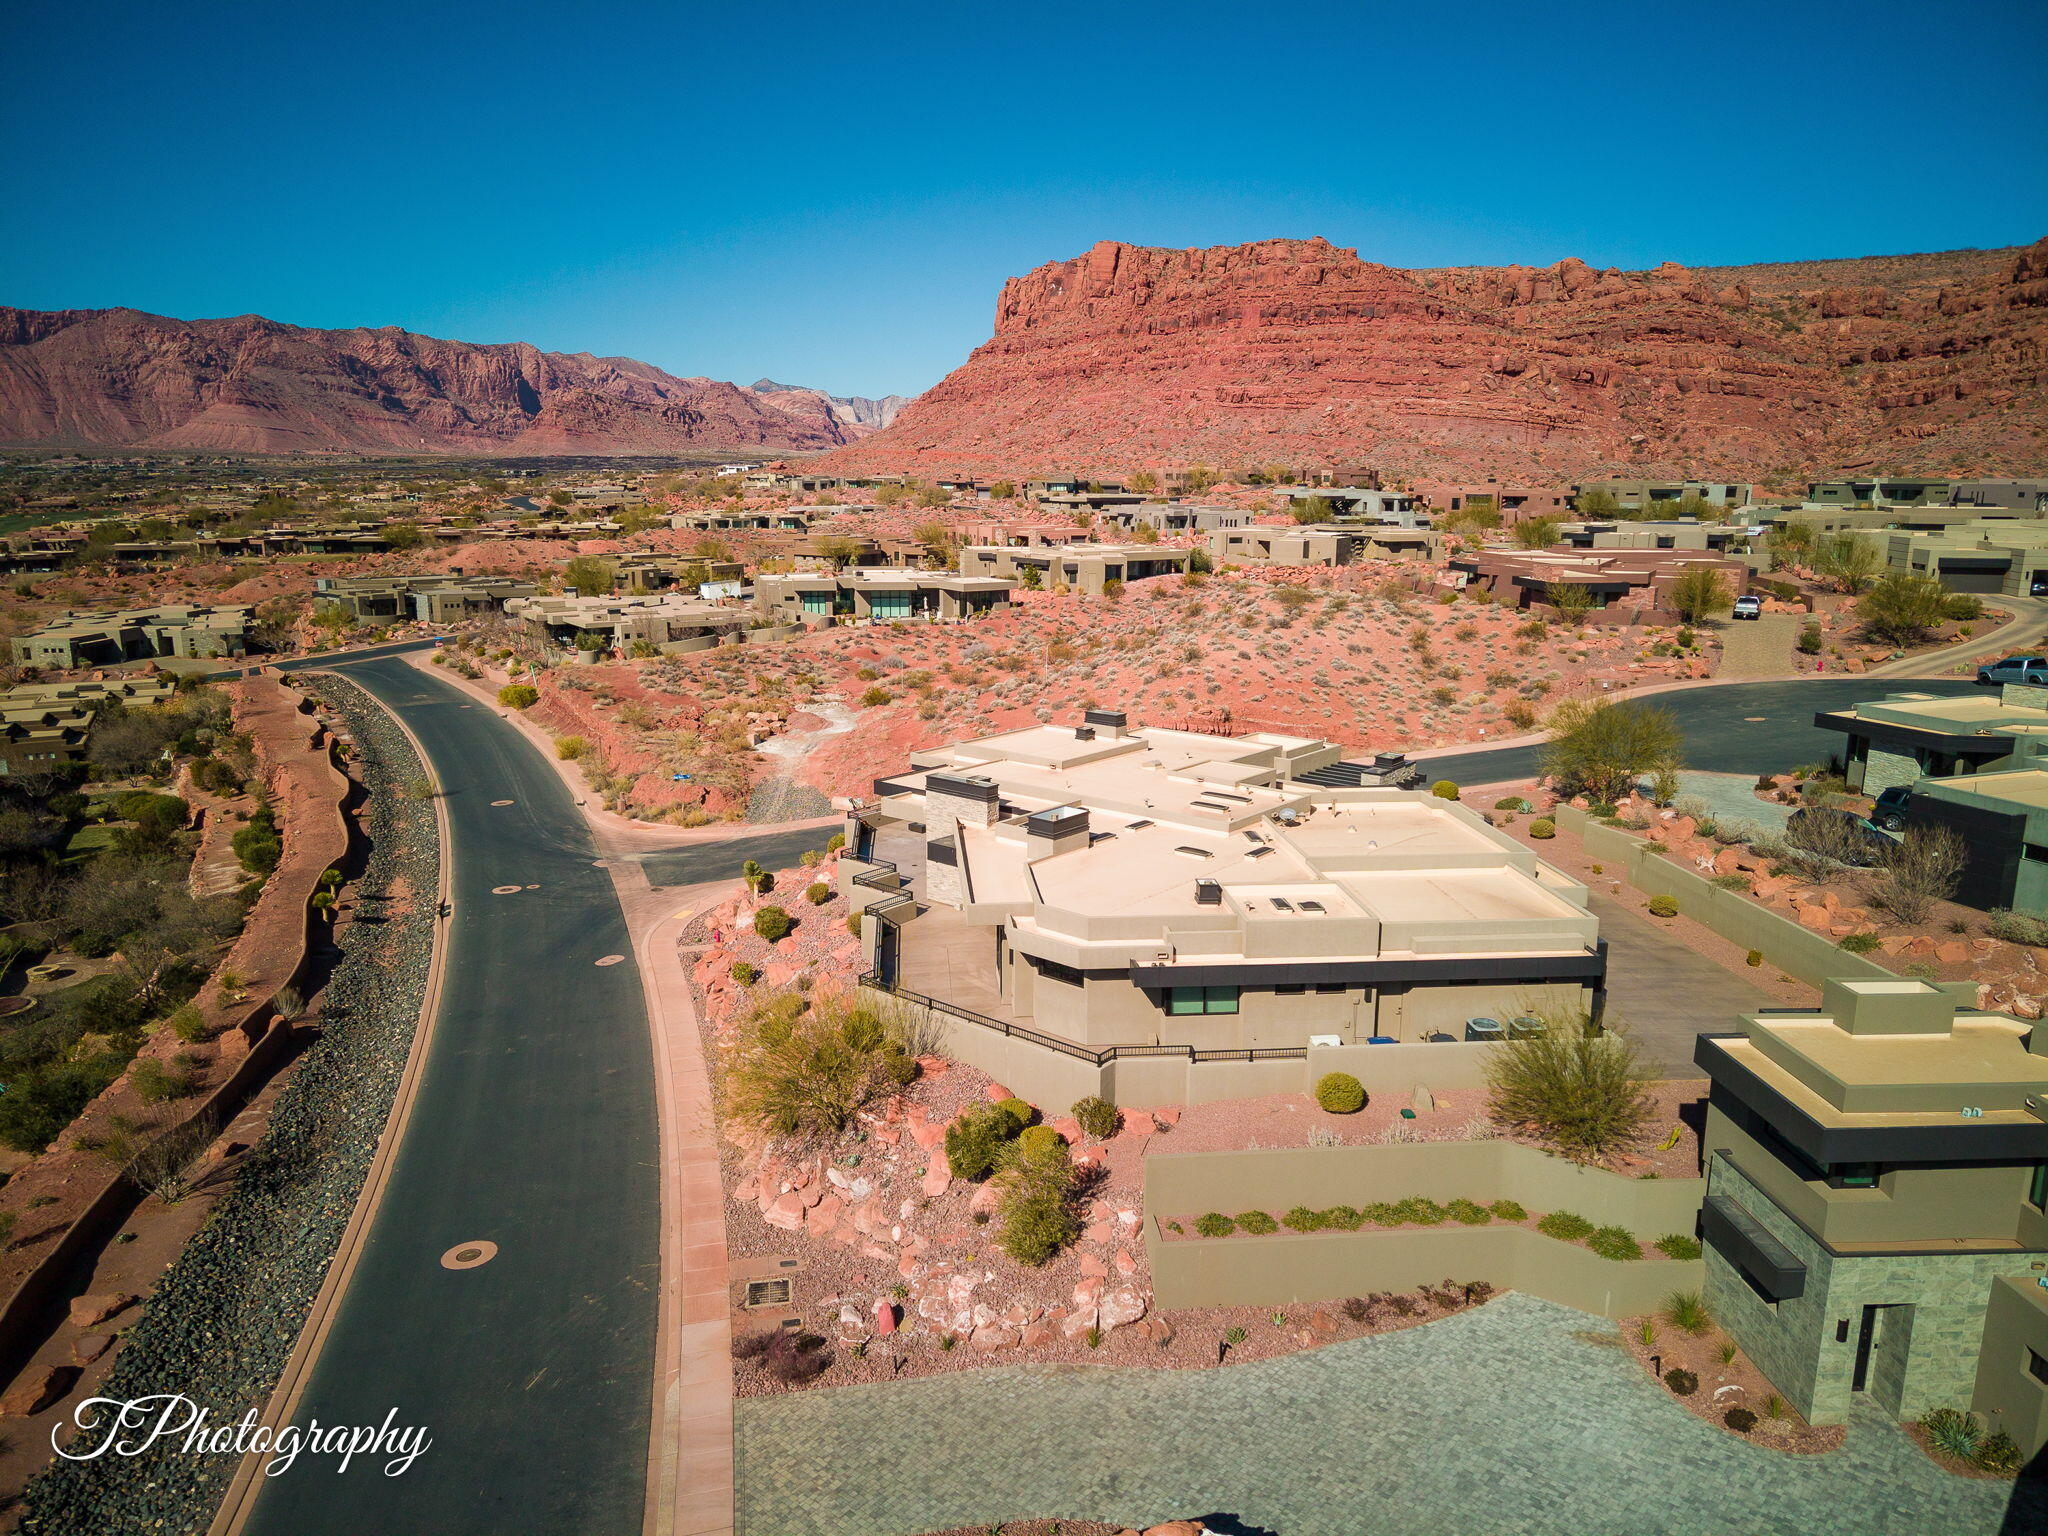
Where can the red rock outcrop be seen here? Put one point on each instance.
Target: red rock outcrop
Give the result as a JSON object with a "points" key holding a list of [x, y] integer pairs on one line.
{"points": [[1298, 352], [119, 377]]}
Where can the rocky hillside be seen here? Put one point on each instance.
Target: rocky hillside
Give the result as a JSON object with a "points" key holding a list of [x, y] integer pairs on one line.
{"points": [[250, 385], [856, 415], [1294, 351]]}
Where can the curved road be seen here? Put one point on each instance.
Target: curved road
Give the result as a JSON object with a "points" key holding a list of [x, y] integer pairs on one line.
{"points": [[534, 1128], [1729, 727]]}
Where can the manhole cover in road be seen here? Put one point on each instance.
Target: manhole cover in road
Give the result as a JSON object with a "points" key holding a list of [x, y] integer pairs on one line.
{"points": [[611, 959], [504, 802], [469, 1255], [508, 890]]}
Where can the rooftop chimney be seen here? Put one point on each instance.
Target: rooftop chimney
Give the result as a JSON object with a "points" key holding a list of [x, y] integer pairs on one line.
{"points": [[1061, 829], [1112, 720], [1208, 893], [1084, 733]]}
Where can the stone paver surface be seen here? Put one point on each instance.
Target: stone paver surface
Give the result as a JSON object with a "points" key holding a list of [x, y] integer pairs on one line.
{"points": [[1732, 798], [1507, 1420], [1754, 648]]}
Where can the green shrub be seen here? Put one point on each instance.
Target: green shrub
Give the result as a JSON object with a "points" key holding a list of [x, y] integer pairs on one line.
{"points": [[1382, 1213], [746, 975], [1542, 828], [1952, 1433], [1616, 1243], [817, 893], [1020, 1111], [1302, 1219], [1444, 789], [1509, 1210], [1687, 1312], [1511, 803], [1215, 1224], [1663, 906], [1340, 1093], [1038, 1141], [1565, 1226], [155, 1083], [518, 696], [1037, 1207], [570, 748], [258, 845], [1422, 1212], [190, 1025], [1754, 958], [1681, 1381], [773, 924], [1343, 1218], [1096, 1117], [1732, 882], [1469, 1212], [1741, 1420], [978, 1139], [1997, 1452], [800, 1069], [1678, 1245], [1858, 943], [1256, 1222], [1580, 1089]]}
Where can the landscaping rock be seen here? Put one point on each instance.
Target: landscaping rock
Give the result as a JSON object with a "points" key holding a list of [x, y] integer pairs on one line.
{"points": [[92, 1309], [35, 1390]]}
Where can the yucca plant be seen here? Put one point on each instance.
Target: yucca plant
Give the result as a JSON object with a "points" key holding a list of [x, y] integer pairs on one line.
{"points": [[1952, 1433]]}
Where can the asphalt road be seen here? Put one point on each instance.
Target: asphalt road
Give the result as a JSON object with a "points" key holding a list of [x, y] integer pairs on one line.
{"points": [[722, 861], [1734, 728], [534, 1128]]}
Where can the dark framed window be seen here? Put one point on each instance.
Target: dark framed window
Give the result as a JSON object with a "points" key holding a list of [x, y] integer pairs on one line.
{"points": [[1052, 970], [1331, 988], [2037, 1367], [1853, 1176], [1291, 988], [1201, 1000], [2037, 1187]]}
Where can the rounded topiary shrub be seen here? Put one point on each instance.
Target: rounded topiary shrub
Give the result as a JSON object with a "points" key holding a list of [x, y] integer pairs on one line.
{"points": [[1022, 1112], [1663, 906], [1340, 1093], [1038, 1141], [1097, 1117], [1542, 827], [1741, 1420], [1444, 789], [773, 924], [1681, 1381]]}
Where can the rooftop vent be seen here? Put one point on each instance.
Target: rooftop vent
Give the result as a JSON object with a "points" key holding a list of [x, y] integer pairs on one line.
{"points": [[1258, 853], [1208, 893], [1084, 733], [1138, 825], [1194, 853], [1311, 906], [1282, 904]]}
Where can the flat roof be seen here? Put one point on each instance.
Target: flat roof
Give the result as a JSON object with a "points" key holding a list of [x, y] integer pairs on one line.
{"points": [[2027, 787]]}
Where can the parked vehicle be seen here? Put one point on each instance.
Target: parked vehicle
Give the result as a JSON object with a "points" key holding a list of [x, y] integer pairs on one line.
{"points": [[1890, 810], [1862, 843], [1749, 606], [2015, 669]]}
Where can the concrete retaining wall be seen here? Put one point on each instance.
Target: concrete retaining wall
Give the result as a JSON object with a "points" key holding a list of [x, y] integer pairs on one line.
{"points": [[1319, 1266], [1797, 951]]}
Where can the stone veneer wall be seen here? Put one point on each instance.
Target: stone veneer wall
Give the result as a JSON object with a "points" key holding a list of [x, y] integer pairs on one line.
{"points": [[1885, 769], [1793, 1342]]}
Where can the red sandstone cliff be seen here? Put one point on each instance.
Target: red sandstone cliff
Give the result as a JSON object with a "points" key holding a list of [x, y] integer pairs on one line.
{"points": [[1294, 351], [250, 385]]}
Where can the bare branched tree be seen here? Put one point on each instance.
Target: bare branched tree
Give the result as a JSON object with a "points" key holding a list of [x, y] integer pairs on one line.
{"points": [[1925, 869]]}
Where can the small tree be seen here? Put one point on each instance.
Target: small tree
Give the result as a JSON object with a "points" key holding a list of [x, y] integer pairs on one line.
{"points": [[841, 549], [1596, 503], [1924, 869], [1846, 560], [1580, 1089], [1571, 600], [1037, 1205], [1902, 607], [1599, 748], [755, 876], [1312, 509], [1536, 532], [588, 576], [1700, 592]]}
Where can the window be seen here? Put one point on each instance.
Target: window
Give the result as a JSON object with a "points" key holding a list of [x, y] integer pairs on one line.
{"points": [[889, 605], [1291, 988], [1201, 999], [2035, 852], [2036, 1366], [1331, 988], [2037, 1187], [1052, 970], [817, 602], [1853, 1176]]}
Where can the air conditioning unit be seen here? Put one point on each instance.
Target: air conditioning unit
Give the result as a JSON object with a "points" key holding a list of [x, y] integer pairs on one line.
{"points": [[1315, 1041]]}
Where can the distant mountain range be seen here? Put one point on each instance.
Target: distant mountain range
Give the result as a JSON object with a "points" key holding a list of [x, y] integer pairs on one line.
{"points": [[1296, 352], [119, 377], [849, 410]]}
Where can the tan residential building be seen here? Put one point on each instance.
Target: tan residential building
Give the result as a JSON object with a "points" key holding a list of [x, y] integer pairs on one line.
{"points": [[384, 600], [111, 636], [43, 724], [1874, 1225], [1321, 544], [667, 622], [1143, 892], [877, 593], [1088, 567]]}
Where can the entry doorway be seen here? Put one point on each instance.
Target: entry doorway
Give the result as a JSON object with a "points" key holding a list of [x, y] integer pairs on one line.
{"points": [[1884, 1339]]}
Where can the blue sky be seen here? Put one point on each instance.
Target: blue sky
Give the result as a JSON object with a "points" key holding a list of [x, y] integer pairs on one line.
{"points": [[832, 194]]}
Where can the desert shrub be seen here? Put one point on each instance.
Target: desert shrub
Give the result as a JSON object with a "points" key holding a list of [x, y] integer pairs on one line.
{"points": [[1925, 867], [1302, 1219], [1732, 882], [1037, 1207], [1566, 1226], [801, 1070], [1952, 1433], [1678, 1245], [1663, 906], [1520, 713], [1616, 1243], [1444, 789], [1997, 1452], [1741, 1420], [1021, 1111], [1681, 1381], [1580, 1089], [1509, 1210], [1340, 1093], [1257, 1222], [1215, 1224], [1382, 1213], [1036, 1140], [1542, 828], [746, 975], [1343, 1218], [1096, 1117], [773, 924], [794, 1358], [2018, 928], [875, 696], [518, 696], [978, 1140], [1687, 1312], [157, 1083], [1419, 1210], [1857, 943], [1470, 1212], [817, 893], [190, 1025]]}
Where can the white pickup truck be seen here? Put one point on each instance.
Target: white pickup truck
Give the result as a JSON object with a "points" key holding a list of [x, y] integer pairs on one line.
{"points": [[1749, 606]]}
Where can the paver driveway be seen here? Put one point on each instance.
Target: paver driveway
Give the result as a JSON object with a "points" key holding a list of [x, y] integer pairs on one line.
{"points": [[1503, 1421]]}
